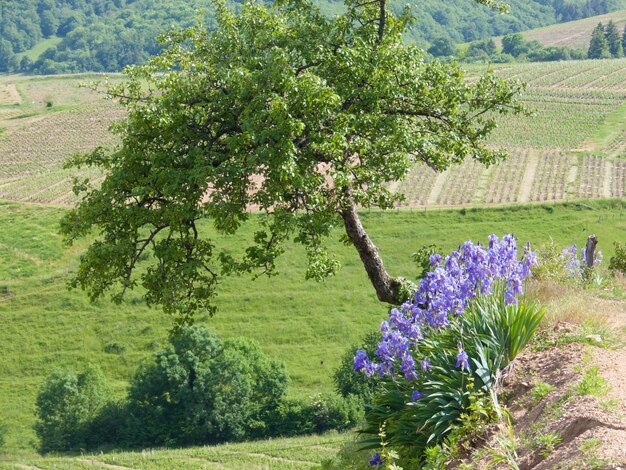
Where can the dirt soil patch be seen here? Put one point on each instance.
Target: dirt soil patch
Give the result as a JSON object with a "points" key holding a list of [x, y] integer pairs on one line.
{"points": [[568, 410]]}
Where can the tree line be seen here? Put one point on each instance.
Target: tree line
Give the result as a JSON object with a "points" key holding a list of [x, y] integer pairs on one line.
{"points": [[607, 42], [200, 389]]}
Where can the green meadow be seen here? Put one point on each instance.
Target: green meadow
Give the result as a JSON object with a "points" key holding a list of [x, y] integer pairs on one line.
{"points": [[307, 325], [300, 453]]}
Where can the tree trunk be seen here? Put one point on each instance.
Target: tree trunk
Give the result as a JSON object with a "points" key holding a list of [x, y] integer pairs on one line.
{"points": [[387, 287]]}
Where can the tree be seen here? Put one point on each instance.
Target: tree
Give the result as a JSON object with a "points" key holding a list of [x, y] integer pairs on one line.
{"points": [[201, 390], [486, 47], [66, 404], [280, 108], [49, 23], [26, 64], [442, 47], [6, 54], [514, 44], [599, 46], [614, 40]]}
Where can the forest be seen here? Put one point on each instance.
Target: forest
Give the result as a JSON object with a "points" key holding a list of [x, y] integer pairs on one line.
{"points": [[66, 36]]}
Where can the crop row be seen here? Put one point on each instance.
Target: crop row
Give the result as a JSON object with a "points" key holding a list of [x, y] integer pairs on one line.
{"points": [[417, 186], [550, 182], [592, 176], [619, 179], [53, 185], [556, 123], [45, 141], [505, 178], [596, 74], [557, 176], [461, 183]]}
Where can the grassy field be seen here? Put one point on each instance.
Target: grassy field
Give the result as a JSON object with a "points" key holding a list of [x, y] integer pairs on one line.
{"points": [[574, 33], [579, 114], [39, 48], [302, 453], [307, 325]]}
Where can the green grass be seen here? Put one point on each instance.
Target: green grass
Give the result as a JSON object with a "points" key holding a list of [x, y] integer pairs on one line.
{"points": [[611, 129], [591, 383], [308, 325], [39, 48], [278, 454], [540, 390]]}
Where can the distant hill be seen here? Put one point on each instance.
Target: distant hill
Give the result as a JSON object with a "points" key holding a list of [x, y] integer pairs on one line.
{"points": [[574, 33], [63, 36]]}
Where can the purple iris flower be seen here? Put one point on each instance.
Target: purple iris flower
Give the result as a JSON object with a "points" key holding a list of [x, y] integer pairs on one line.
{"points": [[376, 460], [462, 360], [360, 360]]}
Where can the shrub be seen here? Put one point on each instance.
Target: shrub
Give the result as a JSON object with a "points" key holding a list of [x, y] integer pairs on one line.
{"points": [[114, 348], [319, 414], [66, 404], [618, 260], [201, 390], [563, 265], [328, 411], [441, 354]]}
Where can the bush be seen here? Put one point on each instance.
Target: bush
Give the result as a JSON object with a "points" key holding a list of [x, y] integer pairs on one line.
{"points": [[328, 411], [66, 404], [564, 265], [618, 260], [319, 414], [490, 333], [113, 427], [201, 390], [441, 353]]}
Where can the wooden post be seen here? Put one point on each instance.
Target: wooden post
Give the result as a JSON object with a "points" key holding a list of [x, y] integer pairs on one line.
{"points": [[590, 250]]}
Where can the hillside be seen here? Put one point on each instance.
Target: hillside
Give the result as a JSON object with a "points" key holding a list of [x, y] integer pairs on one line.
{"points": [[564, 180], [573, 147], [74, 36], [574, 33], [305, 324]]}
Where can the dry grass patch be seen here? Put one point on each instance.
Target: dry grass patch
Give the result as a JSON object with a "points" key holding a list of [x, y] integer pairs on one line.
{"points": [[579, 306]]}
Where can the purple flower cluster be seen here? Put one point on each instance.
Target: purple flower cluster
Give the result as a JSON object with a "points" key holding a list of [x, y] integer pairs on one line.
{"points": [[444, 292], [575, 265]]}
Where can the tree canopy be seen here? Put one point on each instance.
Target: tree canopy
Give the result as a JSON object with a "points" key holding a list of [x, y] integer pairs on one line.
{"points": [[280, 109], [599, 46]]}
